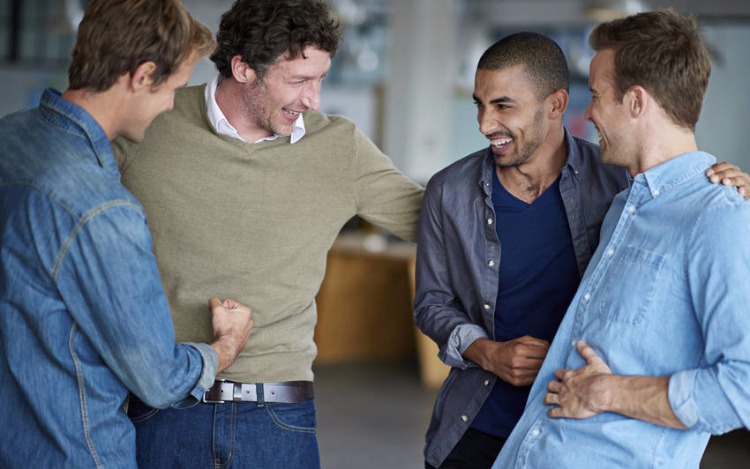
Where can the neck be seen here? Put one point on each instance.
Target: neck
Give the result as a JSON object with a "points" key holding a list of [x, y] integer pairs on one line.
{"points": [[529, 180], [663, 146], [106, 107]]}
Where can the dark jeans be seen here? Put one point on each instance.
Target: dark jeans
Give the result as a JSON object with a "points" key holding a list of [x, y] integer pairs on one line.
{"points": [[475, 450], [229, 435]]}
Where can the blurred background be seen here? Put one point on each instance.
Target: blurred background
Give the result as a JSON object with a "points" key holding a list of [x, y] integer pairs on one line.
{"points": [[405, 70], [404, 74]]}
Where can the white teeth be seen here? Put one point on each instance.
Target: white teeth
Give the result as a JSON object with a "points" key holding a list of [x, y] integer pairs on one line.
{"points": [[502, 141]]}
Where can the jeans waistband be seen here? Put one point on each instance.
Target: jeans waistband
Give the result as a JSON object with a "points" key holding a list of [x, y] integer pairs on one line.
{"points": [[289, 392]]}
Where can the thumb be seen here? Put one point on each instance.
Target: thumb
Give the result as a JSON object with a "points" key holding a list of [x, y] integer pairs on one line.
{"points": [[586, 352]]}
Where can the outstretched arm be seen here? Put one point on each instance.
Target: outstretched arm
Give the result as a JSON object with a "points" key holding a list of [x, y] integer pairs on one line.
{"points": [[593, 389]]}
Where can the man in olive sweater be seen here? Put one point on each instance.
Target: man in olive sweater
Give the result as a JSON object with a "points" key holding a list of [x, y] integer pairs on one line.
{"points": [[246, 186]]}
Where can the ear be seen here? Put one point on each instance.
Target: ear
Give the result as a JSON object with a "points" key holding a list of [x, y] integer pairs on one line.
{"points": [[558, 101], [143, 76], [241, 71], [637, 100]]}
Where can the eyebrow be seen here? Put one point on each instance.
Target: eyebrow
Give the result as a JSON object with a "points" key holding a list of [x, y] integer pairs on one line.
{"points": [[501, 100]]}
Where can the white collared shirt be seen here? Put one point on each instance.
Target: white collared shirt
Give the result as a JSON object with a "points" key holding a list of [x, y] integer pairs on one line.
{"points": [[223, 127]]}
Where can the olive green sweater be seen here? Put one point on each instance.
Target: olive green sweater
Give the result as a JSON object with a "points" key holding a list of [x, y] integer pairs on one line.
{"points": [[254, 222]]}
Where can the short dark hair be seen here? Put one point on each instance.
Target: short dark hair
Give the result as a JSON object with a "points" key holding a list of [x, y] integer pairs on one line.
{"points": [[543, 61], [663, 52], [116, 36], [262, 31]]}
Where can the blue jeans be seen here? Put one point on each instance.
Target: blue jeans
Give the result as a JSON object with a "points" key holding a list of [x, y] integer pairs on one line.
{"points": [[228, 435]]}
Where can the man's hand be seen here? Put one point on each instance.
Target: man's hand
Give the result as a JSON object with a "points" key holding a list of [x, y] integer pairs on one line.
{"points": [[231, 323], [515, 361], [593, 389], [580, 393], [730, 175]]}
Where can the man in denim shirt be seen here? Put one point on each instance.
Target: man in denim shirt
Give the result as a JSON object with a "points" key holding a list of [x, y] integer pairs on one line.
{"points": [[83, 317], [654, 351], [504, 237]]}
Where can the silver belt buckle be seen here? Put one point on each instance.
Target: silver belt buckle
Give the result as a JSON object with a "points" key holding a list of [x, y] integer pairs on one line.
{"points": [[213, 395]]}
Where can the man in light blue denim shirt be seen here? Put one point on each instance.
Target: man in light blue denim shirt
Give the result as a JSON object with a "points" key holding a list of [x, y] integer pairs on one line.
{"points": [[653, 355], [83, 317]]}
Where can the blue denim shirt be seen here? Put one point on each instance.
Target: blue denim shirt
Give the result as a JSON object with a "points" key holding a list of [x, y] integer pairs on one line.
{"points": [[83, 317], [666, 295], [458, 254]]}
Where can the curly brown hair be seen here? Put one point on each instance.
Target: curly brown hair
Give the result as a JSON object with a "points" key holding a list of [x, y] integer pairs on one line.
{"points": [[262, 31]]}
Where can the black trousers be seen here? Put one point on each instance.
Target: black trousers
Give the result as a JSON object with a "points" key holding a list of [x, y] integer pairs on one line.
{"points": [[475, 450]]}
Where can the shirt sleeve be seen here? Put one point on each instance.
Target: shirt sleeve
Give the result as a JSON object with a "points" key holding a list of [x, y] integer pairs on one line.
{"points": [[107, 276], [383, 195], [715, 397], [437, 312]]}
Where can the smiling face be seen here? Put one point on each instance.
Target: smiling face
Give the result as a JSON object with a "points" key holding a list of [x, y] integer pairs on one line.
{"points": [[510, 114], [607, 113], [288, 89]]}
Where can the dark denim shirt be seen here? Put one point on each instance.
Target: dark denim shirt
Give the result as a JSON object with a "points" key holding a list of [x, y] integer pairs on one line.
{"points": [[83, 316], [458, 255]]}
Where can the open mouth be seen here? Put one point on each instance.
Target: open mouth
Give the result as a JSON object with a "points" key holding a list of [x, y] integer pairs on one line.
{"points": [[500, 143]]}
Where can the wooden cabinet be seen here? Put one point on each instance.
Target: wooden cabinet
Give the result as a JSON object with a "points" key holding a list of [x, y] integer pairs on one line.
{"points": [[365, 306]]}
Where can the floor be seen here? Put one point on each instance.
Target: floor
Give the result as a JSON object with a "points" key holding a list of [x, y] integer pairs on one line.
{"points": [[374, 415]]}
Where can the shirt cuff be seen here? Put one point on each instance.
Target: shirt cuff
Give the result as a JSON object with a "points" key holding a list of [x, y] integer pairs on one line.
{"points": [[460, 339], [207, 377], [698, 400], [680, 395]]}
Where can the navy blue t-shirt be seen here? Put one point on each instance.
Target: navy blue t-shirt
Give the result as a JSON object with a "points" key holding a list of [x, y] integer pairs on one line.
{"points": [[538, 279]]}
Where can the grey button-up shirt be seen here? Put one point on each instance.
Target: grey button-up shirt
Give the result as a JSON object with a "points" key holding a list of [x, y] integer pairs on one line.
{"points": [[458, 257]]}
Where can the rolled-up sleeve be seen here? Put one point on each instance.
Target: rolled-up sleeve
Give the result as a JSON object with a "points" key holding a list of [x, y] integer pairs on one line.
{"points": [[715, 397], [437, 311]]}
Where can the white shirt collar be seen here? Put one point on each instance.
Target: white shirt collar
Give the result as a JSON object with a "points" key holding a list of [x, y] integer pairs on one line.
{"points": [[223, 127]]}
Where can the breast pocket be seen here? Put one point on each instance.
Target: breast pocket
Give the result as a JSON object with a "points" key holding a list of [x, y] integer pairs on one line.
{"points": [[630, 286]]}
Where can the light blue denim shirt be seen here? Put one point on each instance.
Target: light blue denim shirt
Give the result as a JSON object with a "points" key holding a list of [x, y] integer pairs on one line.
{"points": [[666, 295], [457, 271], [83, 317]]}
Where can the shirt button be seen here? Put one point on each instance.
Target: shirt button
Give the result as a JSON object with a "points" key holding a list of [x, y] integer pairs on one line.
{"points": [[490, 263], [655, 192], [489, 221], [610, 252], [464, 418], [587, 297], [535, 432], [573, 343], [487, 306], [486, 382], [631, 208]]}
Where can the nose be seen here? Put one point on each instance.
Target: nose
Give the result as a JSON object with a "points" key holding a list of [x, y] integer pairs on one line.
{"points": [[587, 114], [311, 96], [486, 121]]}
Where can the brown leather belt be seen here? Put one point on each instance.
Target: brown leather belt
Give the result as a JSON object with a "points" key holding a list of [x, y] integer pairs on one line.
{"points": [[289, 392]]}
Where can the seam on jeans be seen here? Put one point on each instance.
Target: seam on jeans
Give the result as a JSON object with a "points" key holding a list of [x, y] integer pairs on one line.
{"points": [[286, 426], [233, 427], [82, 397]]}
